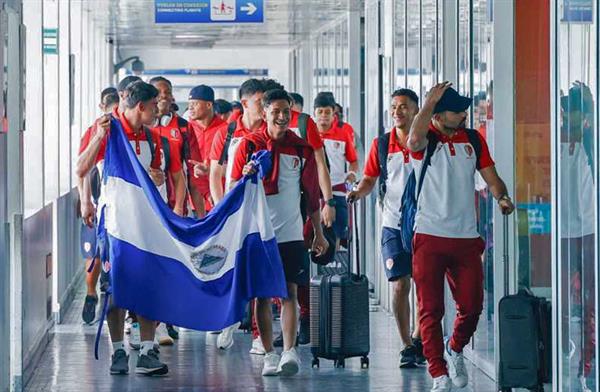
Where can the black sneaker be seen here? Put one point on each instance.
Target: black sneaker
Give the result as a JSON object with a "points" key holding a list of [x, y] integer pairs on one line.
{"points": [[150, 365], [89, 309], [173, 333], [408, 358], [304, 335], [418, 343], [278, 342], [120, 362]]}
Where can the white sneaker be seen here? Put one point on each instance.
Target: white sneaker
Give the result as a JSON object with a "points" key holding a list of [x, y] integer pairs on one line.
{"points": [[225, 339], [134, 336], [583, 383], [270, 364], [162, 335], [441, 384], [289, 364], [257, 347], [456, 367]]}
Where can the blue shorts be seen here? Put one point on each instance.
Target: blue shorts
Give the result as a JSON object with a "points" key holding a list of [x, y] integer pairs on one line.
{"points": [[396, 261], [340, 226]]}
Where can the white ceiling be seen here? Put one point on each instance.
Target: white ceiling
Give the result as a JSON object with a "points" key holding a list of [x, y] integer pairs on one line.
{"points": [[131, 24]]}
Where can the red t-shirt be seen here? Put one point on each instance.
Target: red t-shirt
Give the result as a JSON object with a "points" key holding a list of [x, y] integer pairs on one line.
{"points": [[202, 141]]}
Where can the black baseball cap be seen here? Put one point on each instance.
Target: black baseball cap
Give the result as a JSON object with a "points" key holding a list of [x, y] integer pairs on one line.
{"points": [[202, 93], [452, 101]]}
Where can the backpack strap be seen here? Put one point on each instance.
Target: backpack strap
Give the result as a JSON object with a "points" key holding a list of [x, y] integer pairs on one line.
{"points": [[473, 136], [150, 141], [183, 126], [303, 124], [166, 147], [230, 130], [430, 149], [383, 144]]}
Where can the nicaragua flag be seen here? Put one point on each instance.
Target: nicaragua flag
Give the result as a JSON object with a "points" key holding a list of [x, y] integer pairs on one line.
{"points": [[197, 274]]}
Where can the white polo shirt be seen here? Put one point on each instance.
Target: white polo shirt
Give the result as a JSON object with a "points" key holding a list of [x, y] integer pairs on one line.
{"points": [[446, 206], [399, 168]]}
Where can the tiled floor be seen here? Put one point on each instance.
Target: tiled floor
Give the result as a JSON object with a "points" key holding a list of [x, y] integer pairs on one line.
{"points": [[195, 364]]}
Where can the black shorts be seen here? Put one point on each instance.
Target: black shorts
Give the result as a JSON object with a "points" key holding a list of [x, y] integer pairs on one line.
{"points": [[293, 256]]}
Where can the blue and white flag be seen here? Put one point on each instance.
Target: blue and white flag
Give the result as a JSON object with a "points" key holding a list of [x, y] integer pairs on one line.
{"points": [[197, 274]]}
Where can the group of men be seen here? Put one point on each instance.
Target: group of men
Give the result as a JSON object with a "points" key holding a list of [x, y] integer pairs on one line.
{"points": [[195, 162]]}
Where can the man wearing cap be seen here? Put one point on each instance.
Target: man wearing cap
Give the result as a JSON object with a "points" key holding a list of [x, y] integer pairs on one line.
{"points": [[205, 125], [446, 241]]}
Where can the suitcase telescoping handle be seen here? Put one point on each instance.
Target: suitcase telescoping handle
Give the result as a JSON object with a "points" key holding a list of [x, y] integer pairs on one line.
{"points": [[505, 253], [354, 237]]}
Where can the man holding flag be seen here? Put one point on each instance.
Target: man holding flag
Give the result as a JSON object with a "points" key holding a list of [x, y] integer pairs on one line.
{"points": [[293, 170], [139, 110]]}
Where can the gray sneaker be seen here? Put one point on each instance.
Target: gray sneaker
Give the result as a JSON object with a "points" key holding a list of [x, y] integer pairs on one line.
{"points": [[120, 362], [149, 365]]}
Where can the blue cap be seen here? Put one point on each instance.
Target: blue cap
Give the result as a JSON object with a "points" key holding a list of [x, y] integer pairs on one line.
{"points": [[452, 101], [202, 93], [88, 241]]}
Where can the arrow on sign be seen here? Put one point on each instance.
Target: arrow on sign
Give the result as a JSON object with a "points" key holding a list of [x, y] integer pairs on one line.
{"points": [[250, 8]]}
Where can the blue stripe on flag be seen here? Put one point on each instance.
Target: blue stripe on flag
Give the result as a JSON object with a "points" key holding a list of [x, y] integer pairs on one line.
{"points": [[163, 289]]}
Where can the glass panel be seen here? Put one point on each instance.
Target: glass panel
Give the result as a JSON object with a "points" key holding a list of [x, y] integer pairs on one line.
{"points": [[428, 46], [482, 120], [577, 85], [464, 41], [413, 45], [399, 43]]}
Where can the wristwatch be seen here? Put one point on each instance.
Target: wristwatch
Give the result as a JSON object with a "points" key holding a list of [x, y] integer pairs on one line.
{"points": [[331, 202], [504, 197]]}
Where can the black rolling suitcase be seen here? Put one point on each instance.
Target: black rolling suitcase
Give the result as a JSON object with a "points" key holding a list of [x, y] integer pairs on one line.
{"points": [[525, 347], [339, 313]]}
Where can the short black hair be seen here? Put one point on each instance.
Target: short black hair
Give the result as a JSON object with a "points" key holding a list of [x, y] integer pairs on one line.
{"points": [[237, 105], [272, 84], [324, 99], [221, 106], [126, 81], [297, 98], [107, 91], [251, 87], [276, 94], [406, 92], [139, 92], [109, 96], [158, 79]]}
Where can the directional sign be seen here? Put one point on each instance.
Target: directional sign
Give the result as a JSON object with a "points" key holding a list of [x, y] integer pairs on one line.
{"points": [[209, 11], [581, 11]]}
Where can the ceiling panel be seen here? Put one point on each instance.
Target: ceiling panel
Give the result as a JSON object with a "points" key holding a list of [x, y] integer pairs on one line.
{"points": [[131, 24]]}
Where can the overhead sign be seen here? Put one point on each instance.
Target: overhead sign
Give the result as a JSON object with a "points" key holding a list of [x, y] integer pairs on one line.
{"points": [[581, 11], [209, 11], [208, 72]]}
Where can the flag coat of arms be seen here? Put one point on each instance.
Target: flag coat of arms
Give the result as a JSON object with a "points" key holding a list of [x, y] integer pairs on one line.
{"points": [[198, 274]]}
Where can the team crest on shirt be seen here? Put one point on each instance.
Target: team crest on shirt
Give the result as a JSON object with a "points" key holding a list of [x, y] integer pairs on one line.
{"points": [[469, 150], [296, 162], [174, 134], [209, 261], [337, 145]]}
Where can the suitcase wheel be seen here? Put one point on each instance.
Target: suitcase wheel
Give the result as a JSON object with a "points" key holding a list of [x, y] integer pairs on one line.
{"points": [[339, 363], [315, 363], [364, 363]]}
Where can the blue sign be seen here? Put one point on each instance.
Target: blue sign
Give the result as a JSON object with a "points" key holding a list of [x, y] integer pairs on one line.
{"points": [[538, 217], [207, 72], [209, 11], [581, 11]]}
